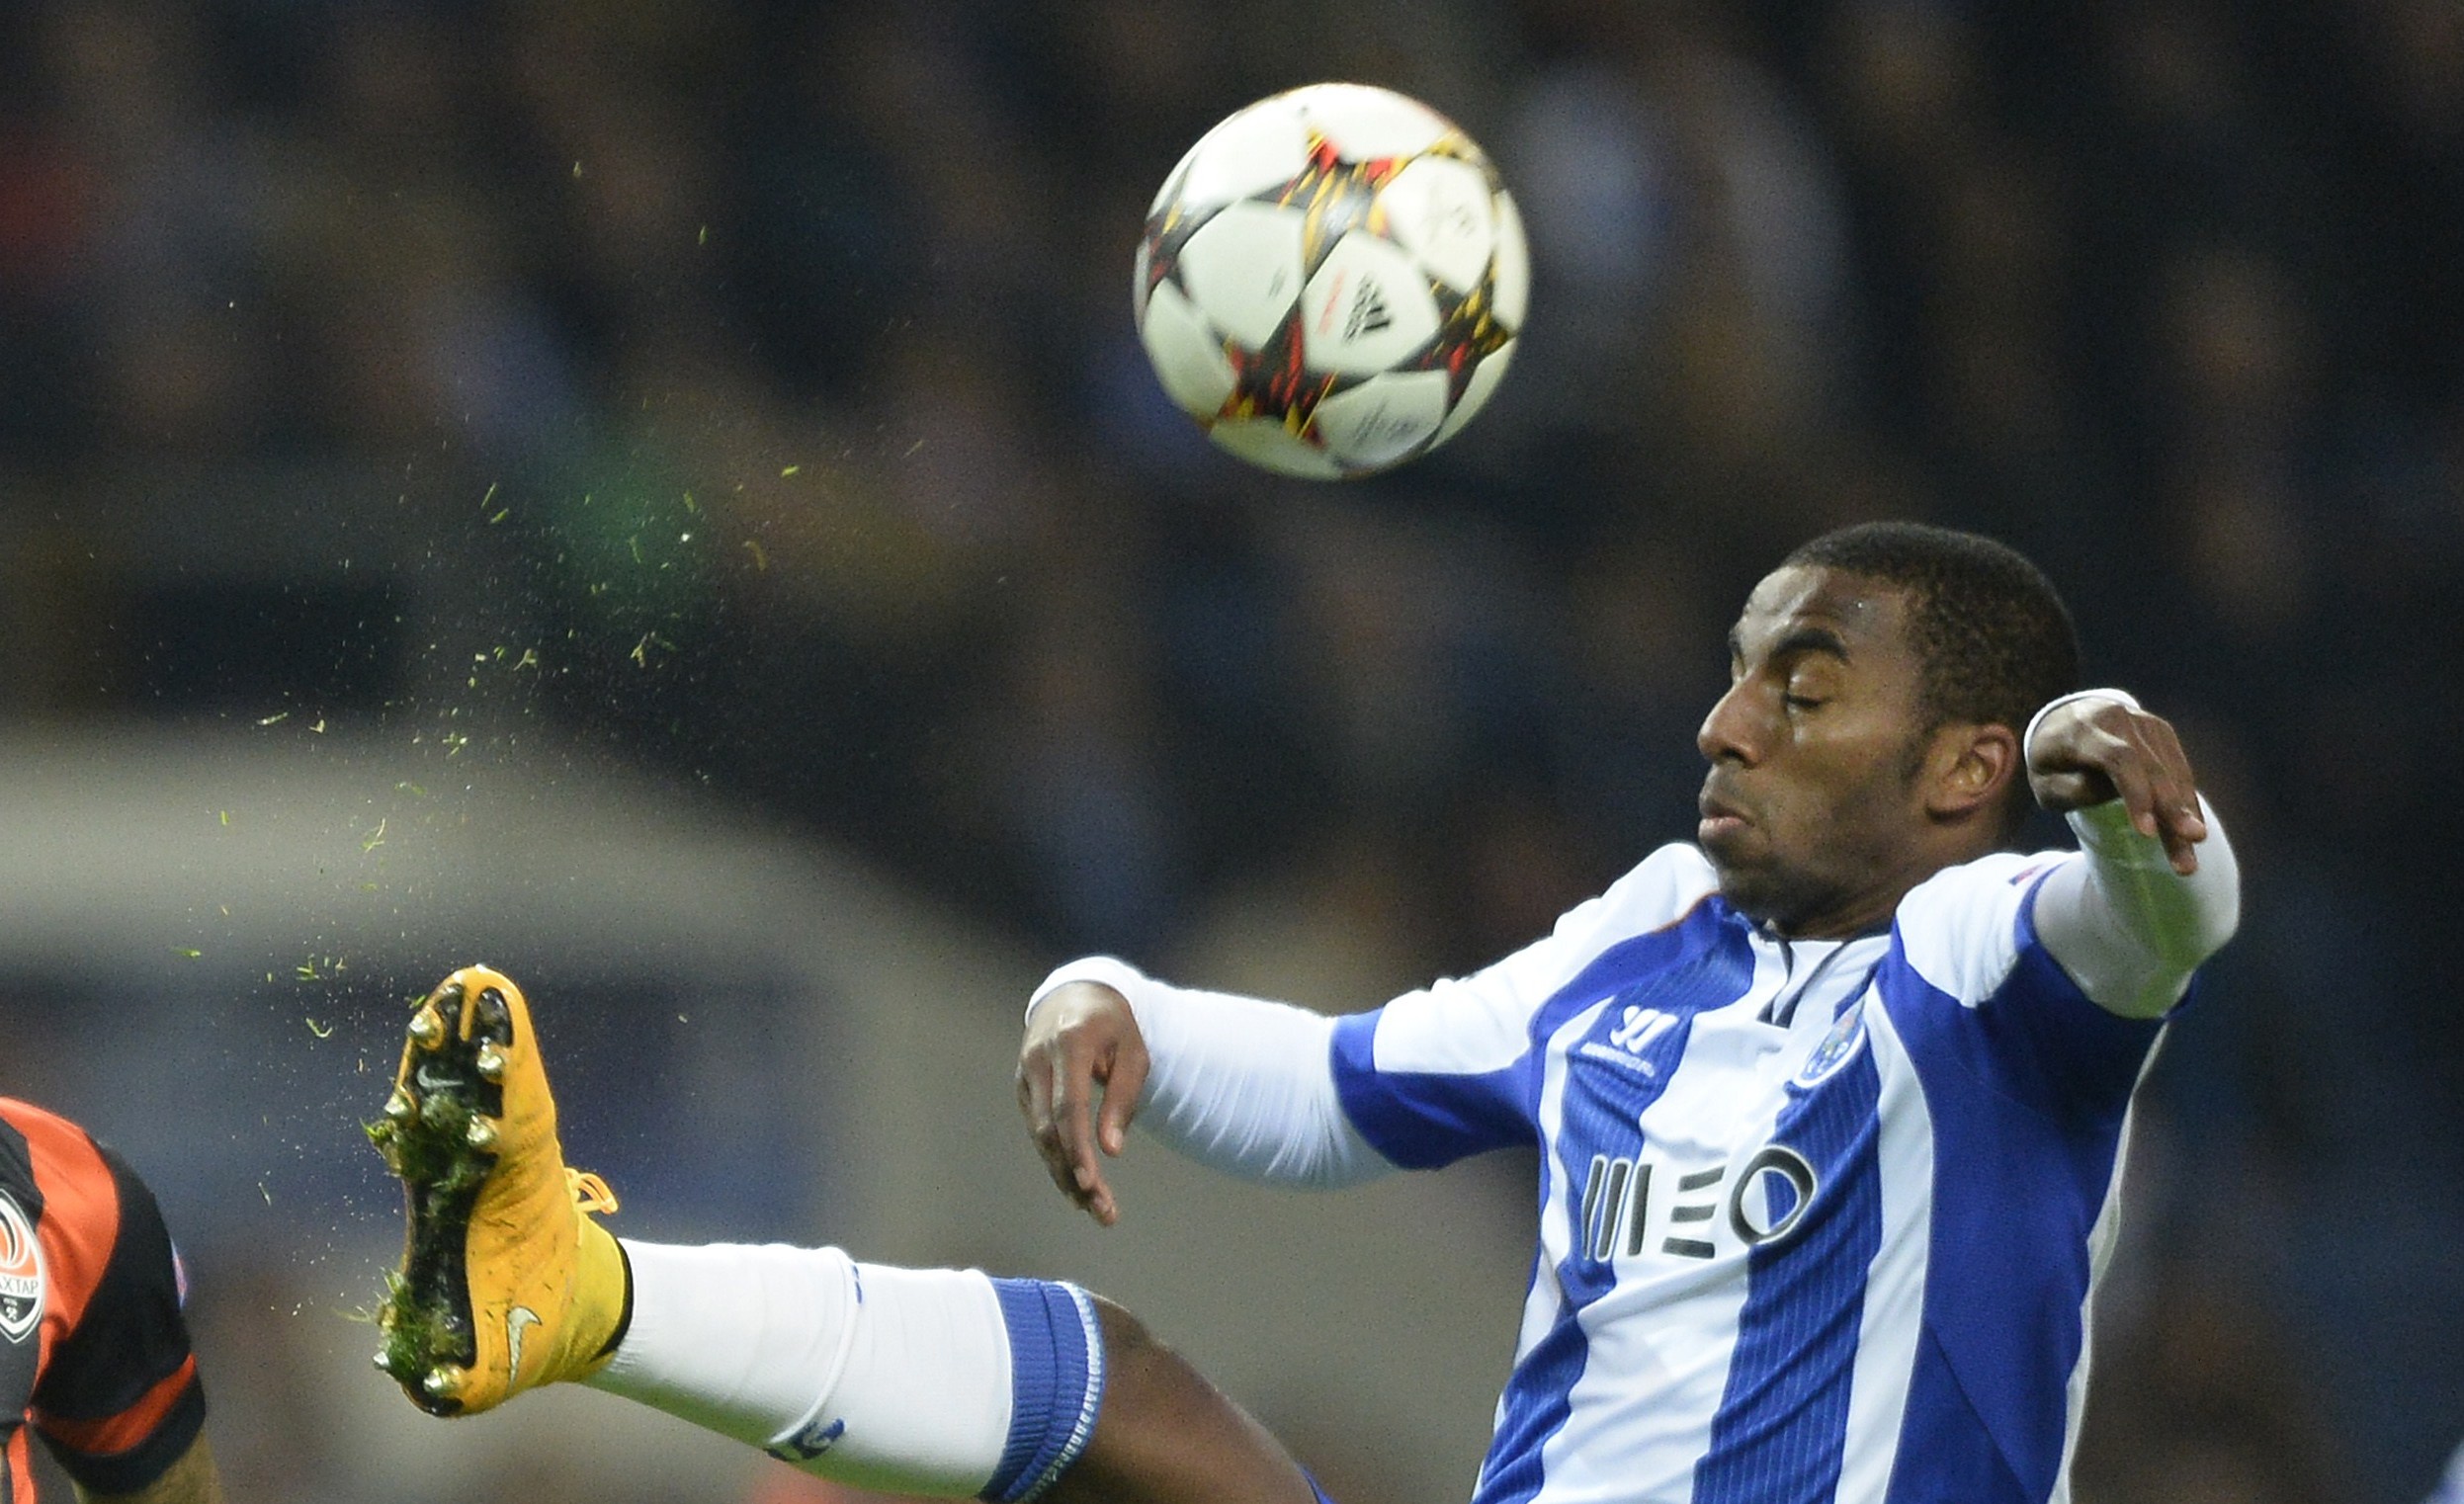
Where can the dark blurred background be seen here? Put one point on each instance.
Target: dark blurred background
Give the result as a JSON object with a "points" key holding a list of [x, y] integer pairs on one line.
{"points": [[743, 399]]}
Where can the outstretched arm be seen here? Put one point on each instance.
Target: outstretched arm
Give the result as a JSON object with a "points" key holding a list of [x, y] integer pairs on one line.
{"points": [[2157, 889], [1251, 1087], [1241, 1084]]}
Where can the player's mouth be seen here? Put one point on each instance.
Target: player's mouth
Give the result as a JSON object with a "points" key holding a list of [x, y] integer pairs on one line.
{"points": [[1720, 822]]}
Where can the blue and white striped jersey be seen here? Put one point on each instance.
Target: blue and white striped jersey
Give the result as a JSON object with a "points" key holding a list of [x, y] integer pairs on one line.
{"points": [[1818, 1220]]}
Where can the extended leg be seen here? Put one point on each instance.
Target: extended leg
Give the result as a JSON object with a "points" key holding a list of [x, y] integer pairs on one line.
{"points": [[929, 1381], [942, 1382]]}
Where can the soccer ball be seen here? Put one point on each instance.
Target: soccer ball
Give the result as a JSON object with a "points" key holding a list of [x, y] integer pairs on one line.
{"points": [[1332, 281]]}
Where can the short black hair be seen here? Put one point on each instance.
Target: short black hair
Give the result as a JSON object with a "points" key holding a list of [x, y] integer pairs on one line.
{"points": [[1994, 639]]}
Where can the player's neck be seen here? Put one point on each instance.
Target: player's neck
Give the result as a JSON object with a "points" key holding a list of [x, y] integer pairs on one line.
{"points": [[1843, 924], [1870, 910]]}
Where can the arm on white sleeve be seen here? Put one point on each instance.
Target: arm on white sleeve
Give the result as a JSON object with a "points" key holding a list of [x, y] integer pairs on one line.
{"points": [[1239, 1084], [2127, 927]]}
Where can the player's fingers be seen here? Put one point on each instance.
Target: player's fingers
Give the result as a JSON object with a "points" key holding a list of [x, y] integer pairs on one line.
{"points": [[1088, 1188], [2144, 766], [1073, 1121], [1046, 1097], [1120, 1093], [1078, 1040], [1035, 1089], [1035, 1092], [2172, 796], [2180, 838], [2181, 833], [1098, 1201], [2127, 768], [2182, 784]]}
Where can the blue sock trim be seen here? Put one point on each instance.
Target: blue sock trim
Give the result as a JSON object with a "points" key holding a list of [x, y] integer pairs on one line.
{"points": [[1056, 1385]]}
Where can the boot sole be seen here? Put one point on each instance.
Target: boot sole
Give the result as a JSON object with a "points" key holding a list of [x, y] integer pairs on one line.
{"points": [[425, 1137]]}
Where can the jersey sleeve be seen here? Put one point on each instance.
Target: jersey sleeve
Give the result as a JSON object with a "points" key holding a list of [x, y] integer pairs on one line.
{"points": [[119, 1399], [1238, 1084], [1454, 1069], [2129, 929], [1994, 999]]}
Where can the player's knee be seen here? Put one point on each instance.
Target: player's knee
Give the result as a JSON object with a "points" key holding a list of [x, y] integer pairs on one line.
{"points": [[1125, 1338], [1139, 1369]]}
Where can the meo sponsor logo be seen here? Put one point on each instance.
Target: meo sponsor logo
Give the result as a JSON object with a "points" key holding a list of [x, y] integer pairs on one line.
{"points": [[1620, 1217], [21, 1273]]}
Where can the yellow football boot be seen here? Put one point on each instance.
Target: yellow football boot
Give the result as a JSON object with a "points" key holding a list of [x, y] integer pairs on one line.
{"points": [[506, 1283]]}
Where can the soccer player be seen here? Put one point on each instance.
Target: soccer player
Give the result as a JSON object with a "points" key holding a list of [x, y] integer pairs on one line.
{"points": [[1831, 1103], [1831, 1106], [94, 1353]]}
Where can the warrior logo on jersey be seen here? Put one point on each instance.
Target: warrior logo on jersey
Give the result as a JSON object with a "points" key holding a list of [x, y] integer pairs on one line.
{"points": [[1638, 1029], [21, 1273]]}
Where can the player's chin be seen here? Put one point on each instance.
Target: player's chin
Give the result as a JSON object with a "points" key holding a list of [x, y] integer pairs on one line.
{"points": [[1732, 845], [1749, 883]]}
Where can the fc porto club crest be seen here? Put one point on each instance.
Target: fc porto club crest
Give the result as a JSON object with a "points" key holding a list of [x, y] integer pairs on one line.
{"points": [[1837, 1049], [21, 1273]]}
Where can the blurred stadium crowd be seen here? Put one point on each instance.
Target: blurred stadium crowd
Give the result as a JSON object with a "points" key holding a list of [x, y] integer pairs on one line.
{"points": [[751, 389]]}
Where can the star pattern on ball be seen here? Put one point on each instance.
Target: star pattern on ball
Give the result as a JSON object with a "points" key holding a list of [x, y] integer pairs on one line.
{"points": [[1330, 309]]}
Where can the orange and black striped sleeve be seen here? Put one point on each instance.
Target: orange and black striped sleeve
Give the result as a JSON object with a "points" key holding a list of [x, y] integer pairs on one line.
{"points": [[118, 1399]]}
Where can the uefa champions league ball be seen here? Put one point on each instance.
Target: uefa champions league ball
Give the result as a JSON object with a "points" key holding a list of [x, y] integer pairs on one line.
{"points": [[1332, 281]]}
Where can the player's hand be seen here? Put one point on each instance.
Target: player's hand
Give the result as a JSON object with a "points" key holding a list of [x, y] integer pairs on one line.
{"points": [[1082, 1038], [2093, 750]]}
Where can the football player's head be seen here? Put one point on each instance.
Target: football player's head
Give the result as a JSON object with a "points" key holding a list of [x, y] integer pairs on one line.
{"points": [[1880, 680]]}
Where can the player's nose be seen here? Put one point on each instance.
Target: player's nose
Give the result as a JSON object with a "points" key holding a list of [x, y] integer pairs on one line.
{"points": [[1727, 734]]}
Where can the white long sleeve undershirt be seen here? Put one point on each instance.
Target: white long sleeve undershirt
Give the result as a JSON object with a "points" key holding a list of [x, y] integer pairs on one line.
{"points": [[1241, 1084], [2125, 926]]}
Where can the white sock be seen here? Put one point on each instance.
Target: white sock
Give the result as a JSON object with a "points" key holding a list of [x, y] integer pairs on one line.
{"points": [[898, 1379]]}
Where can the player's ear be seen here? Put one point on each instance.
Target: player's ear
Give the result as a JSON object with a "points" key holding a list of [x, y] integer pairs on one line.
{"points": [[1969, 768]]}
